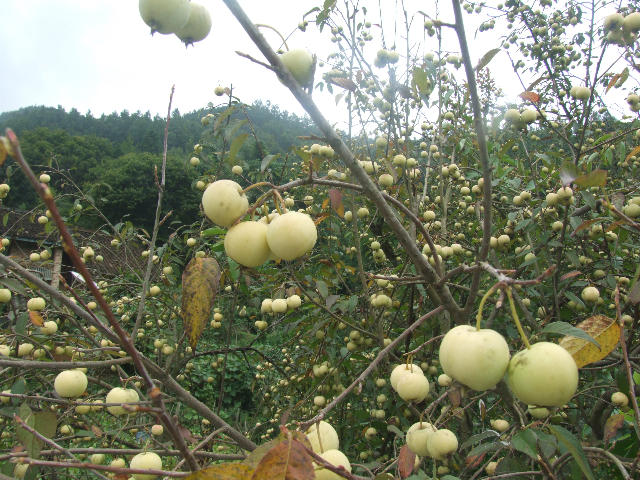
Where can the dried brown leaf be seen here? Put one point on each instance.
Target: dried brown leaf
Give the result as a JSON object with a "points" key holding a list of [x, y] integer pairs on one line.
{"points": [[614, 423], [286, 461], [531, 96], [200, 282], [344, 83], [406, 461]]}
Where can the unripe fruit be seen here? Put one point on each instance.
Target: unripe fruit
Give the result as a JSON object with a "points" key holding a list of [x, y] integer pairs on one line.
{"points": [[478, 359], [146, 461], [327, 435], [385, 180], [5, 295], [619, 398], [590, 294], [413, 387], [97, 458], [164, 16], [118, 463], [49, 328], [197, 27], [334, 457], [191, 242], [293, 302], [236, 170], [279, 305], [401, 370], [444, 380], [121, 395], [299, 62], [500, 425], [291, 235], [224, 202], [36, 304], [543, 375], [442, 443], [70, 383], [246, 243], [157, 430], [418, 437], [20, 470]]}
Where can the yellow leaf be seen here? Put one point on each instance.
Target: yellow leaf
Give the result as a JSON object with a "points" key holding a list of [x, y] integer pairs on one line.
{"points": [[225, 471], [633, 152], [200, 281], [325, 203], [604, 330]]}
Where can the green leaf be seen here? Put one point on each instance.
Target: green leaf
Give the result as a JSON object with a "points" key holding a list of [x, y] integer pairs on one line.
{"points": [[21, 323], [564, 328], [568, 173], [322, 288], [487, 57], [422, 80], [211, 232], [574, 297], [573, 446], [267, 160], [525, 442], [478, 438], [396, 430], [597, 178], [235, 146], [26, 438]]}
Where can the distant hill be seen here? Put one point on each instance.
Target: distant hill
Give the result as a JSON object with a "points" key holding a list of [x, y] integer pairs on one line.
{"points": [[112, 157]]}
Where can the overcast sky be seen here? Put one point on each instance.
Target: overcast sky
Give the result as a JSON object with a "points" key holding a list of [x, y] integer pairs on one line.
{"points": [[98, 55]]}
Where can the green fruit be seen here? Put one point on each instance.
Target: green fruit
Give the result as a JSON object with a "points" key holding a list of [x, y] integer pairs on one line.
{"points": [[198, 26], [146, 461], [299, 62], [224, 202], [164, 16], [291, 235], [544, 375], [246, 243], [478, 359]]}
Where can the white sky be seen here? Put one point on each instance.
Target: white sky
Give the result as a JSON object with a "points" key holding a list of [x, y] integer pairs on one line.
{"points": [[98, 55]]}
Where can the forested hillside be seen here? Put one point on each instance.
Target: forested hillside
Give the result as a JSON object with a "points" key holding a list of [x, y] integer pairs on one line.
{"points": [[111, 157]]}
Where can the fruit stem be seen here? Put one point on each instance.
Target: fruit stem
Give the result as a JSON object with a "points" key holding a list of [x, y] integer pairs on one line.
{"points": [[484, 299], [270, 27], [280, 206], [259, 184], [516, 319]]}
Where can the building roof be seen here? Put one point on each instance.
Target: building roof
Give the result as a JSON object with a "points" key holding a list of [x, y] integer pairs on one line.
{"points": [[22, 225]]}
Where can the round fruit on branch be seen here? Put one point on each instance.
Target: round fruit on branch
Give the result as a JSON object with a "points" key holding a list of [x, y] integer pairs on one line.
{"points": [[544, 375], [291, 235], [165, 16], [198, 26], [299, 62], [224, 202], [476, 358], [246, 243]]}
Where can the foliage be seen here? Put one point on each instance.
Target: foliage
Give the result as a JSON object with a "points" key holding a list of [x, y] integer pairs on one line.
{"points": [[528, 227]]}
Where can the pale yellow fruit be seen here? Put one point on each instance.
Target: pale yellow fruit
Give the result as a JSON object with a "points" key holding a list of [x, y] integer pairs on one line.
{"points": [[246, 243], [528, 115], [401, 370], [70, 383], [334, 457], [224, 202], [294, 301], [49, 328], [291, 235], [118, 463], [36, 304], [418, 436], [543, 375], [121, 395], [5, 295], [197, 27], [299, 62], [146, 461], [478, 359], [442, 443], [20, 470], [279, 305], [538, 412], [413, 387], [619, 398], [501, 425], [97, 458], [25, 349], [631, 22], [164, 16], [327, 435], [157, 430]]}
